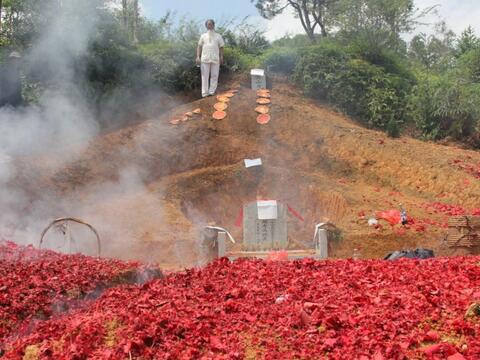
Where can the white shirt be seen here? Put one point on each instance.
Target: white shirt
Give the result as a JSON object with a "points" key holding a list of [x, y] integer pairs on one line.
{"points": [[211, 42]]}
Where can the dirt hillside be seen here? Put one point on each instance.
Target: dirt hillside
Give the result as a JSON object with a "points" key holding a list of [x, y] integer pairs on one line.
{"points": [[316, 160]]}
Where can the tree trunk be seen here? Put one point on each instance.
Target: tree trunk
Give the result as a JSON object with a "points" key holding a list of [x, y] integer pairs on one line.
{"points": [[135, 21], [1, 8], [311, 17], [324, 30], [10, 20], [305, 23], [125, 14]]}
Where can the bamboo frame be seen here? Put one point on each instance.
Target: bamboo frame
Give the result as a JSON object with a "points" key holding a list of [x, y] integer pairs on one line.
{"points": [[78, 221]]}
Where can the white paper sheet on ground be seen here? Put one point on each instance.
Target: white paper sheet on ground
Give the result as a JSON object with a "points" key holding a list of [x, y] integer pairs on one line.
{"points": [[253, 162], [267, 209]]}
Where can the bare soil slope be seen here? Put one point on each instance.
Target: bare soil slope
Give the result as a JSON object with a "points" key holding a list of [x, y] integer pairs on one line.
{"points": [[316, 160]]}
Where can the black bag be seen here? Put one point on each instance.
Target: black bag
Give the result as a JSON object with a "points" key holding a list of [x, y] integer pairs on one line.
{"points": [[411, 254]]}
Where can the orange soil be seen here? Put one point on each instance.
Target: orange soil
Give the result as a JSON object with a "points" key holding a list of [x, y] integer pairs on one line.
{"points": [[318, 161]]}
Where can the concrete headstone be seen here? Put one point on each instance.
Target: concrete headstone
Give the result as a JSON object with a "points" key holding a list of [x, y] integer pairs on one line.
{"points": [[270, 234]]}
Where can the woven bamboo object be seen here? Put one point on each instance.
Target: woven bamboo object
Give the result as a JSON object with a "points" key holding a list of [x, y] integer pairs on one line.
{"points": [[464, 231]]}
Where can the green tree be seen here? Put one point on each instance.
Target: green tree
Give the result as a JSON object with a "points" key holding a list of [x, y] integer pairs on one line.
{"points": [[434, 52], [247, 37], [430, 52], [378, 22], [469, 64], [313, 14], [467, 41]]}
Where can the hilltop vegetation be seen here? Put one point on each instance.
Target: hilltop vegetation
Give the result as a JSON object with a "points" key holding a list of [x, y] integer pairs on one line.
{"points": [[359, 62]]}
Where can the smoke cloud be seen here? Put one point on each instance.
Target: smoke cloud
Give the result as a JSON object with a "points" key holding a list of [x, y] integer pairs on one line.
{"points": [[53, 133]]}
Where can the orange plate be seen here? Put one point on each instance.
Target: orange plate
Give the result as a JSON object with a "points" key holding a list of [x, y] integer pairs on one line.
{"points": [[264, 96], [197, 111], [222, 98], [219, 115], [174, 121], [262, 109], [263, 119], [263, 91], [263, 101], [221, 106]]}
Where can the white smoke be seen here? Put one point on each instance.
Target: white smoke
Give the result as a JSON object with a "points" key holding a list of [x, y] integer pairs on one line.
{"points": [[56, 129]]}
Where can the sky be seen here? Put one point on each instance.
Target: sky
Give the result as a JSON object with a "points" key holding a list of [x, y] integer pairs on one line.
{"points": [[458, 14]]}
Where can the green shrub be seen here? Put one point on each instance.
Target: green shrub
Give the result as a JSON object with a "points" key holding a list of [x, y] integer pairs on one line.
{"points": [[317, 68], [235, 60], [172, 65], [115, 65], [364, 90], [280, 60], [297, 41], [470, 64], [393, 129], [445, 105]]}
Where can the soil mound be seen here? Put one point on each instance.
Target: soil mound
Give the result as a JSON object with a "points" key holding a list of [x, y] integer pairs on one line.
{"points": [[316, 160]]}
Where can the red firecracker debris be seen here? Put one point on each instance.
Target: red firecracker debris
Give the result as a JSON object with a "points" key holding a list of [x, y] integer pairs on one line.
{"points": [[343, 309], [469, 168], [36, 285]]}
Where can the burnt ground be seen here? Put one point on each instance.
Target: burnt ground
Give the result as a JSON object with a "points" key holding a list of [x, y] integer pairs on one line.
{"points": [[319, 161]]}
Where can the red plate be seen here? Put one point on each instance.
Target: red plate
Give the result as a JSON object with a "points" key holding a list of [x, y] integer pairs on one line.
{"points": [[263, 119], [219, 115]]}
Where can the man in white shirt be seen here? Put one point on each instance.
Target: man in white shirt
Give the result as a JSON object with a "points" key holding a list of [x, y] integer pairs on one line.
{"points": [[210, 57]]}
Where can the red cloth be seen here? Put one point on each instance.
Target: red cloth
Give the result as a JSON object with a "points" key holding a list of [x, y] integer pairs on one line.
{"points": [[238, 222], [392, 216], [295, 213]]}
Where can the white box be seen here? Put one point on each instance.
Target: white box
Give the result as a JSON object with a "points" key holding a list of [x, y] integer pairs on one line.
{"points": [[259, 80]]}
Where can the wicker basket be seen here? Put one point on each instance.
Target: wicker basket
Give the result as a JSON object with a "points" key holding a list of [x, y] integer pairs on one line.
{"points": [[463, 231], [465, 221]]}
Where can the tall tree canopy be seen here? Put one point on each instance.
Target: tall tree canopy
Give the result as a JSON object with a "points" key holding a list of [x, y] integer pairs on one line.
{"points": [[467, 41], [379, 22], [313, 14]]}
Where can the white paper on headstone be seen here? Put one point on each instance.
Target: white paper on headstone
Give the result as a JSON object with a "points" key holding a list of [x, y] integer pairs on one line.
{"points": [[253, 162], [267, 209], [257, 72]]}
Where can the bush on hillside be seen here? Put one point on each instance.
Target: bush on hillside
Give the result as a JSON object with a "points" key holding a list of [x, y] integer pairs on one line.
{"points": [[470, 64], [445, 105], [316, 67], [235, 60], [115, 65], [280, 60], [297, 41], [172, 65], [366, 91], [246, 37]]}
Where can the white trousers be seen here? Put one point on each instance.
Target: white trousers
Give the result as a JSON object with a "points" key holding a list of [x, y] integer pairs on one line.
{"points": [[210, 72]]}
